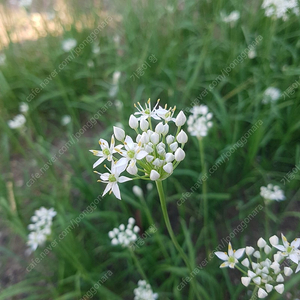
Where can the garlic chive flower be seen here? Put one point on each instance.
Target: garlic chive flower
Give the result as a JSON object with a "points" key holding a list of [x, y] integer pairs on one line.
{"points": [[271, 94], [113, 178], [279, 9], [40, 227], [230, 258], [124, 236], [272, 192], [17, 122], [152, 153], [200, 121], [263, 269], [144, 291], [107, 151]]}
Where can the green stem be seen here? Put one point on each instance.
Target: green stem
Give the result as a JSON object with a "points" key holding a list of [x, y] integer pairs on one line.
{"points": [[138, 265], [163, 204], [204, 193], [267, 224], [254, 294]]}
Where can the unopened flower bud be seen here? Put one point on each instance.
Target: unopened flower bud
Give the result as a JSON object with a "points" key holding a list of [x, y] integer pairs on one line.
{"points": [[165, 129], [159, 128], [180, 119], [261, 243], [133, 122], [170, 157], [170, 139], [119, 133], [249, 250], [279, 288], [182, 137], [149, 158], [145, 138], [144, 125], [274, 240], [168, 168], [174, 146], [179, 154], [154, 138], [154, 175]]}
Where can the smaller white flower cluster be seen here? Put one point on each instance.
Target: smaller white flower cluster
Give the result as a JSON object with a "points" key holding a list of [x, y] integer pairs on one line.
{"points": [[124, 236], [271, 94], [231, 18], [40, 228], [200, 121], [69, 44], [267, 272], [280, 8], [19, 120], [144, 291], [272, 192]]}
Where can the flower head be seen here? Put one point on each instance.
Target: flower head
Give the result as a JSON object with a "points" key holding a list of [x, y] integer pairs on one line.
{"points": [[272, 192], [17, 122], [41, 227], [69, 44], [279, 9], [290, 249], [144, 292], [230, 258], [200, 121], [271, 94], [124, 236], [147, 112]]}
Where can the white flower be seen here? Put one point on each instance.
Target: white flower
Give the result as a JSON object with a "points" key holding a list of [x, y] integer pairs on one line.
{"points": [[124, 236], [279, 8], [65, 120], [271, 94], [146, 112], [41, 227], [230, 258], [131, 154], [252, 53], [69, 44], [17, 122], [23, 107], [144, 292], [289, 250], [166, 114], [272, 192], [2, 59], [231, 18], [107, 151], [199, 122], [112, 178]]}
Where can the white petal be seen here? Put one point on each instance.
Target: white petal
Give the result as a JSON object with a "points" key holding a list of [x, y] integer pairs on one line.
{"points": [[141, 154], [107, 189], [222, 255], [116, 191], [298, 268], [123, 179], [296, 243], [239, 253], [224, 264], [279, 247], [98, 162], [294, 258]]}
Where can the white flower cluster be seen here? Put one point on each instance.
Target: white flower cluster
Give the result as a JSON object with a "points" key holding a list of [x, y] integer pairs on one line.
{"points": [[154, 153], [231, 18], [144, 291], [40, 228], [271, 94], [272, 192], [264, 269], [69, 44], [124, 236], [200, 121], [19, 120], [280, 8]]}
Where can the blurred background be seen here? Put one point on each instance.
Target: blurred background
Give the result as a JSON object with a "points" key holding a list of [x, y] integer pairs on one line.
{"points": [[70, 70]]}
